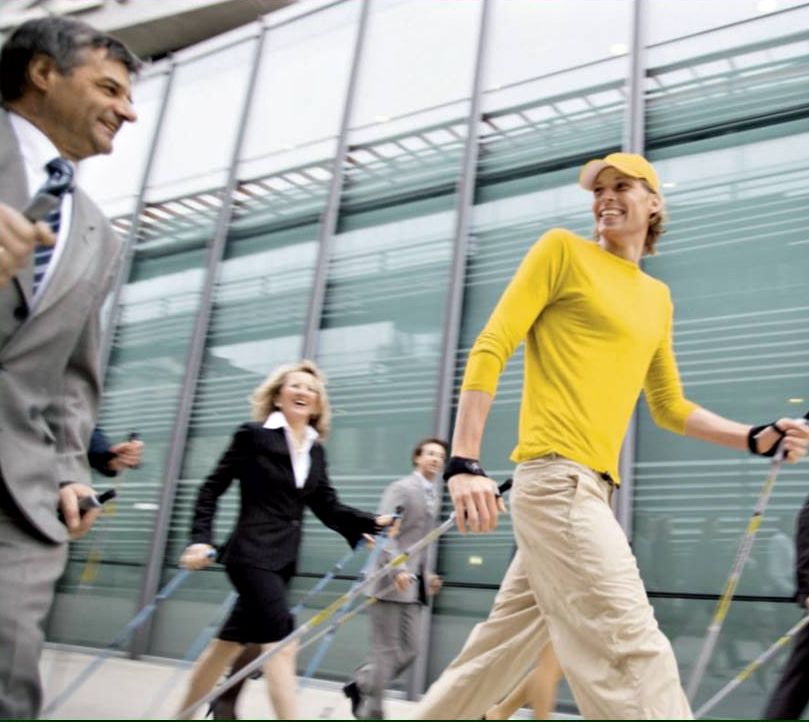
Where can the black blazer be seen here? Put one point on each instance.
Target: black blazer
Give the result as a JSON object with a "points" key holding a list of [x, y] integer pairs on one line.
{"points": [[268, 530]]}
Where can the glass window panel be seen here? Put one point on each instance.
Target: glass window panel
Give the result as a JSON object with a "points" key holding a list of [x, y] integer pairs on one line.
{"points": [[380, 344], [714, 83], [737, 262], [561, 103], [530, 39], [300, 92], [667, 20], [402, 50], [196, 141], [408, 135]]}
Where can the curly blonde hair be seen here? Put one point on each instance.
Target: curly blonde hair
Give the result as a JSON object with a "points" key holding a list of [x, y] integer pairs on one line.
{"points": [[265, 395], [657, 223]]}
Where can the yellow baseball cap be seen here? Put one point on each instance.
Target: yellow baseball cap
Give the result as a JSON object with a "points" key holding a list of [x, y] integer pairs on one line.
{"points": [[631, 164]]}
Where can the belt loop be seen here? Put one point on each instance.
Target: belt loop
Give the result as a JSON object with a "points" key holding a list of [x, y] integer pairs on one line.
{"points": [[605, 475]]}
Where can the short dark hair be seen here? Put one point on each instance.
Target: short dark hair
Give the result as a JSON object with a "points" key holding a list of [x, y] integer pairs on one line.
{"points": [[63, 40], [420, 446]]}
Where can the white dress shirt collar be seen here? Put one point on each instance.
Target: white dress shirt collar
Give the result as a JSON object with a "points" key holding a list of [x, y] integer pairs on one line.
{"points": [[301, 459], [37, 151]]}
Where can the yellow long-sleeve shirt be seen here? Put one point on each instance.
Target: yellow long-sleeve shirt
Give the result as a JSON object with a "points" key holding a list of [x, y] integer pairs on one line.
{"points": [[597, 329]]}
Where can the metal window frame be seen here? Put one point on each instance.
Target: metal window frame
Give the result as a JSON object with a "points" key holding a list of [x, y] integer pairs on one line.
{"points": [[633, 142], [331, 212], [417, 681], [108, 338]]}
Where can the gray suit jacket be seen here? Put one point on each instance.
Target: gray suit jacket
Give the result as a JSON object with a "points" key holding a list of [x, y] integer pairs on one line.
{"points": [[418, 519], [49, 380]]}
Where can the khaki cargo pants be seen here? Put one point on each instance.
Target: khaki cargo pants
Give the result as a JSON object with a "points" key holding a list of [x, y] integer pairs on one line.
{"points": [[574, 579]]}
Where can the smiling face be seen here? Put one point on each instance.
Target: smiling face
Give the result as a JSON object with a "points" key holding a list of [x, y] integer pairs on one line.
{"points": [[431, 460], [622, 206], [299, 397], [83, 109]]}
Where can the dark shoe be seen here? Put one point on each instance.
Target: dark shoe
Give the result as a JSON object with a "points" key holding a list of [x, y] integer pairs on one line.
{"points": [[222, 709], [352, 691]]}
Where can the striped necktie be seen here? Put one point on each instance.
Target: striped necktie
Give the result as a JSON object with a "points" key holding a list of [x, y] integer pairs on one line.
{"points": [[60, 174]]}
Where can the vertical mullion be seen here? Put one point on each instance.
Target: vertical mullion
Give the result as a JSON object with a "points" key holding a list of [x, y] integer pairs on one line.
{"points": [[108, 337], [634, 141], [452, 320], [328, 224]]}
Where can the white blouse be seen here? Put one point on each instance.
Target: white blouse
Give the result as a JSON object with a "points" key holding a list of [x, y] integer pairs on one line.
{"points": [[301, 460]]}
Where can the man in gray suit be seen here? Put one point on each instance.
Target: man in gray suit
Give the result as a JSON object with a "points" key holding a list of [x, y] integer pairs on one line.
{"points": [[395, 616], [65, 93]]}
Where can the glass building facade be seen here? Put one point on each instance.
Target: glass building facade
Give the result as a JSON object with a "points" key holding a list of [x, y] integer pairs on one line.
{"points": [[356, 182]]}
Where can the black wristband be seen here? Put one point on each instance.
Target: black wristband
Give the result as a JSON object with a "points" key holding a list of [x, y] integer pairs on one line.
{"points": [[752, 444], [461, 465]]}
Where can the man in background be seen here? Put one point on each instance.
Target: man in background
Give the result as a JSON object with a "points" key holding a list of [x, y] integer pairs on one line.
{"points": [[400, 594]]}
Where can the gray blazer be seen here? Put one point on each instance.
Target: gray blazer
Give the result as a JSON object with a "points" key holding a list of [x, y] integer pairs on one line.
{"points": [[418, 519], [49, 380]]}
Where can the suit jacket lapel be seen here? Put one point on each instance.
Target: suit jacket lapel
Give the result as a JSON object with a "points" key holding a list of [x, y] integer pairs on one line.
{"points": [[81, 245], [14, 192], [418, 497], [275, 442]]}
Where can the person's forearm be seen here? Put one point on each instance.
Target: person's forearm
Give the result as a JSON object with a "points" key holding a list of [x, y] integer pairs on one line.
{"points": [[473, 410], [708, 426]]}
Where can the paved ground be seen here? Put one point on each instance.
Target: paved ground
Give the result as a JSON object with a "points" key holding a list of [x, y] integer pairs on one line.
{"points": [[148, 689]]}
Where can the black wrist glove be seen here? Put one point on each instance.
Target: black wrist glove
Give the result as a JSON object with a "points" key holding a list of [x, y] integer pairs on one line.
{"points": [[462, 465], [755, 431]]}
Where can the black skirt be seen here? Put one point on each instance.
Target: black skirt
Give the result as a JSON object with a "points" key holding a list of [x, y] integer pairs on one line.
{"points": [[261, 613]]}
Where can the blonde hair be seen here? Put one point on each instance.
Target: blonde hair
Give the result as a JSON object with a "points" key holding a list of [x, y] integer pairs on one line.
{"points": [[657, 223], [265, 395]]}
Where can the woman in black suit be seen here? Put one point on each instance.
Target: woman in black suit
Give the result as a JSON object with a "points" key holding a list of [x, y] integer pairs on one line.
{"points": [[281, 466]]}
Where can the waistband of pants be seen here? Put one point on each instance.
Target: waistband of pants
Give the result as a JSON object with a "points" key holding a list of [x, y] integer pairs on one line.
{"points": [[603, 475]]}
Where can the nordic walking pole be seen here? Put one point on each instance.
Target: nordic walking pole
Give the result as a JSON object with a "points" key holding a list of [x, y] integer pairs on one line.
{"points": [[329, 611], [742, 555], [725, 599], [327, 577], [193, 651], [332, 629], [123, 635], [361, 607], [317, 658], [759, 661]]}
